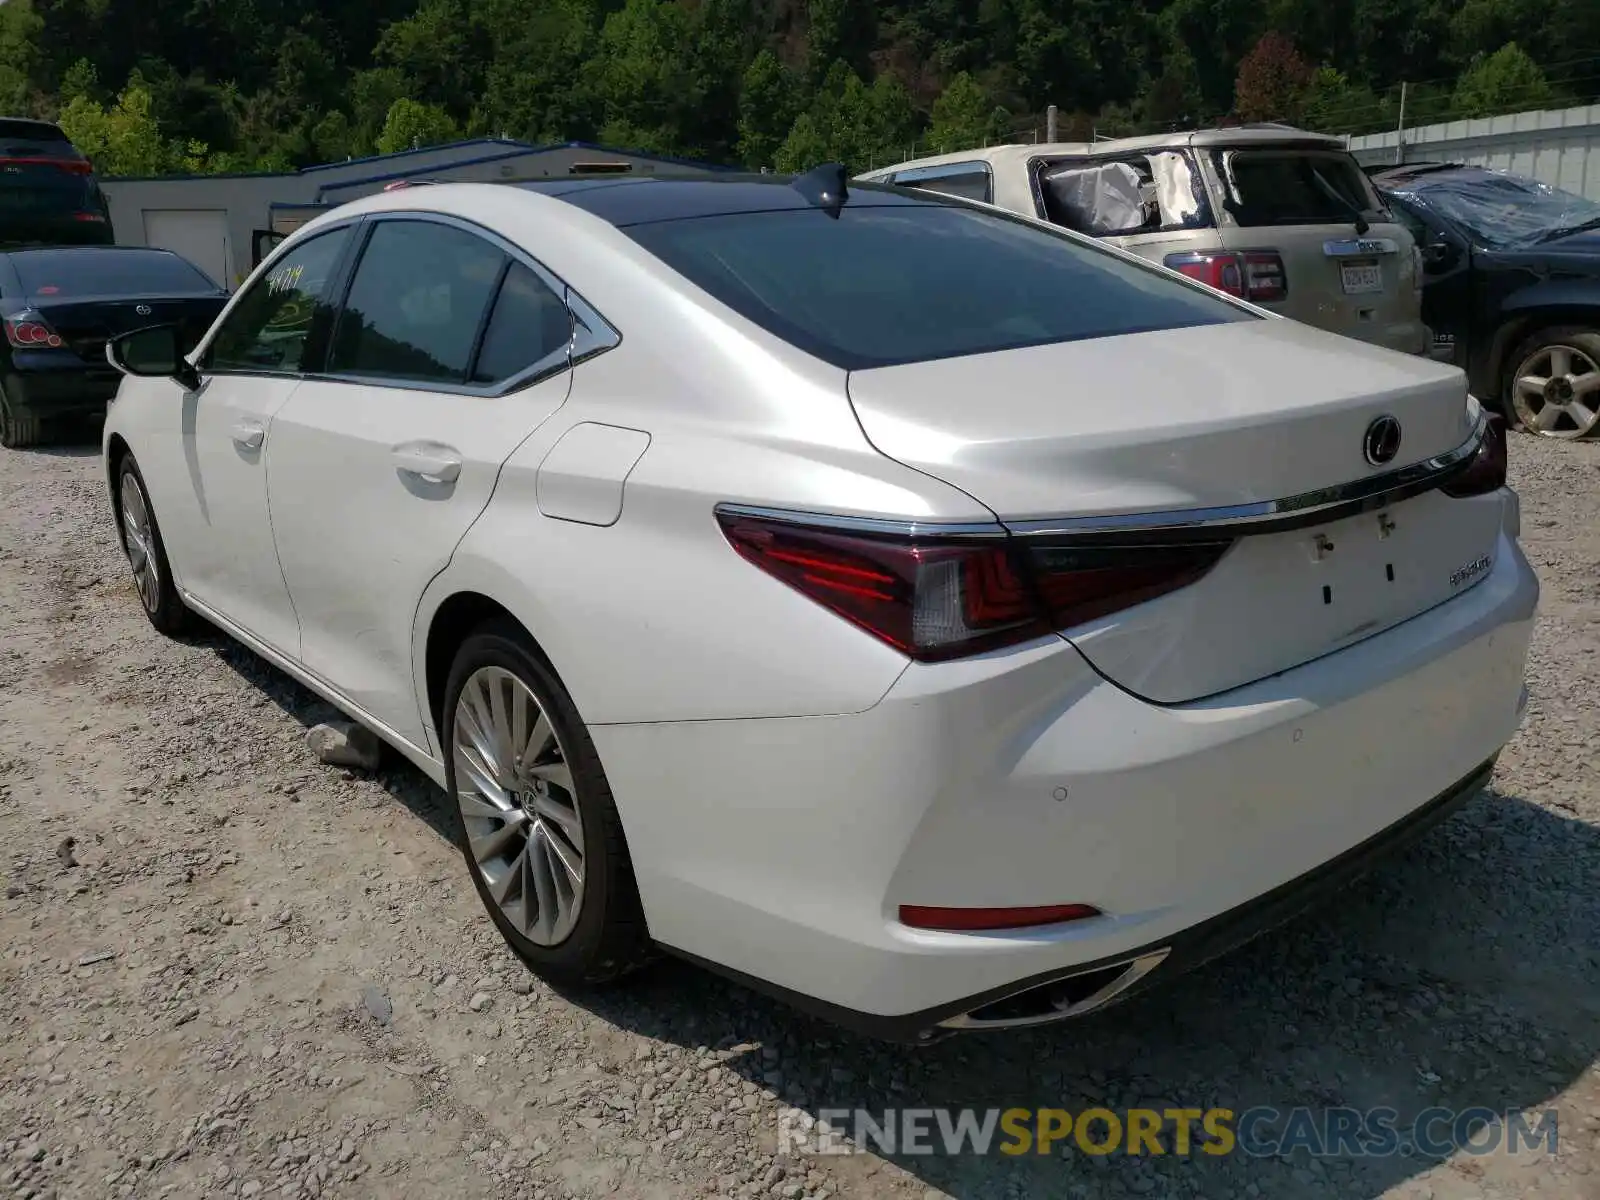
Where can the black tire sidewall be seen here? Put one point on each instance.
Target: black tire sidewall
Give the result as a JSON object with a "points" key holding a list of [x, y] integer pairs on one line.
{"points": [[610, 908]]}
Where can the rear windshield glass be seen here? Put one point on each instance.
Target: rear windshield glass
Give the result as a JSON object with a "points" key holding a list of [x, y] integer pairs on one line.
{"points": [[92, 272], [898, 284], [1280, 187]]}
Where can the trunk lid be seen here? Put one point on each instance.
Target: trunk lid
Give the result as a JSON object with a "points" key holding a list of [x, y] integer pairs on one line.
{"points": [[87, 323], [1206, 418]]}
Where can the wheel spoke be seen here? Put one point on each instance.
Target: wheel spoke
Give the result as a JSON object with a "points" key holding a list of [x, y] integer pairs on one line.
{"points": [[557, 773], [1560, 360], [571, 864], [519, 804], [490, 845], [1532, 385], [539, 740], [563, 818], [1582, 385], [1583, 416], [1546, 418]]}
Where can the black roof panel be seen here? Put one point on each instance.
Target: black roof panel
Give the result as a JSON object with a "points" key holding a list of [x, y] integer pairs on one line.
{"points": [[636, 200]]}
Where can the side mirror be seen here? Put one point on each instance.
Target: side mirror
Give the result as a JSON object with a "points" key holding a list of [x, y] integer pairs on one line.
{"points": [[153, 353], [1438, 253]]}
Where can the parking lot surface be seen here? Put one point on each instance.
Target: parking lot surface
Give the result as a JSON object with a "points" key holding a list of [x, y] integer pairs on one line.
{"points": [[228, 969]]}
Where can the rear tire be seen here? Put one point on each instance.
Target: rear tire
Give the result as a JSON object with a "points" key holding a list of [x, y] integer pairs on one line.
{"points": [[17, 430], [1553, 388], [535, 819], [147, 554]]}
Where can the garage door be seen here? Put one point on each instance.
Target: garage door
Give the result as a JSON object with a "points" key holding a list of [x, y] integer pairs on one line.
{"points": [[199, 234]]}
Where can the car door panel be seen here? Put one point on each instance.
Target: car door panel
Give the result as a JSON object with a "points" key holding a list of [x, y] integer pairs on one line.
{"points": [[373, 481], [213, 505]]}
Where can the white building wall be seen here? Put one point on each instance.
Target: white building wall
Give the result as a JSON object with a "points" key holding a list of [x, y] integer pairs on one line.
{"points": [[247, 202], [1560, 147]]}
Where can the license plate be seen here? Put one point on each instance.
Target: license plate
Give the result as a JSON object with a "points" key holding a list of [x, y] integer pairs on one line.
{"points": [[1360, 278]]}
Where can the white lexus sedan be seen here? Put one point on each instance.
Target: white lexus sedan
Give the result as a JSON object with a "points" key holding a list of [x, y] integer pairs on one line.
{"points": [[937, 619]]}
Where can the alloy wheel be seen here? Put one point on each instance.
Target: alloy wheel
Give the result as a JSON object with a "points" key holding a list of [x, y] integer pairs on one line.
{"points": [[1557, 392], [519, 805], [139, 540]]}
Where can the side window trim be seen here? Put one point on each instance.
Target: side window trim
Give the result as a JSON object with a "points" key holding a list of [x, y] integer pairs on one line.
{"points": [[592, 333], [912, 176], [322, 323]]}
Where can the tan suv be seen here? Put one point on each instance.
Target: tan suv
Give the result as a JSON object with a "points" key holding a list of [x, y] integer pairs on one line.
{"points": [[1280, 217]]}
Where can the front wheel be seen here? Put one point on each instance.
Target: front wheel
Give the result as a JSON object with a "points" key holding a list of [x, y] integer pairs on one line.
{"points": [[147, 554], [538, 828], [1555, 386]]}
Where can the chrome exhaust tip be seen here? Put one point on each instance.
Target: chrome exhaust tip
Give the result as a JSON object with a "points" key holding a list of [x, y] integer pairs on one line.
{"points": [[1061, 999]]}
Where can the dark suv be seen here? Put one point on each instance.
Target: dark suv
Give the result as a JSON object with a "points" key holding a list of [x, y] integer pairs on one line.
{"points": [[49, 195], [1511, 287]]}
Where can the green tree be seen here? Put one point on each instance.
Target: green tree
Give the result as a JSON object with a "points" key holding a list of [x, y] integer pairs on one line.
{"points": [[122, 140], [963, 117], [1173, 97], [1333, 104], [535, 86], [851, 123], [767, 100], [20, 28], [640, 78], [1506, 81], [412, 124]]}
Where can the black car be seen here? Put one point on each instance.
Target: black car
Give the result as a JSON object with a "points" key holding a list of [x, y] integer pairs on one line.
{"points": [[60, 305], [1511, 287], [49, 195]]}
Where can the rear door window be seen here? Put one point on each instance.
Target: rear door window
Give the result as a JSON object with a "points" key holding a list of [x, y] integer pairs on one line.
{"points": [[910, 282], [531, 326], [1295, 187], [417, 303], [1157, 192]]}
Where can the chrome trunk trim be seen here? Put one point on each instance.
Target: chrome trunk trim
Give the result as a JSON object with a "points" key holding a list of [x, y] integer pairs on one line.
{"points": [[1268, 516]]}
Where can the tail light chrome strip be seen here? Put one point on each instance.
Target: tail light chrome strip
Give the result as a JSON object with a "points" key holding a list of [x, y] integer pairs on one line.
{"points": [[1268, 516], [1180, 525]]}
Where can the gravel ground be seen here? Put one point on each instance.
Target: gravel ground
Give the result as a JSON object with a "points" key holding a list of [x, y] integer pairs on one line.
{"points": [[230, 970]]}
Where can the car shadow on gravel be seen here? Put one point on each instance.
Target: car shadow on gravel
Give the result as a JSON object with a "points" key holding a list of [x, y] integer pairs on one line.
{"points": [[1464, 974]]}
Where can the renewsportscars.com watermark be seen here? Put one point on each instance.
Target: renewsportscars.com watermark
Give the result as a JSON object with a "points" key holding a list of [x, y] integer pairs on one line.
{"points": [[1256, 1132]]}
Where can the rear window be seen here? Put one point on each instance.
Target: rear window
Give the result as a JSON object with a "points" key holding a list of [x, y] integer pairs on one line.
{"points": [[904, 283], [1294, 187], [35, 188], [92, 272]]}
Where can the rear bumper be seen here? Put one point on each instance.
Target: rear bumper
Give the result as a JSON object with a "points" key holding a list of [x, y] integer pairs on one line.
{"points": [[68, 392], [780, 850], [1187, 950]]}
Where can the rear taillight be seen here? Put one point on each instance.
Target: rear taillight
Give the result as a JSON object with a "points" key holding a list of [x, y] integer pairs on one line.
{"points": [[1255, 275], [1078, 584], [938, 598], [1488, 470], [72, 166], [90, 217], [28, 331]]}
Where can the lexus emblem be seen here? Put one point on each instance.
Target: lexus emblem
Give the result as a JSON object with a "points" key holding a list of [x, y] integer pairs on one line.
{"points": [[143, 310], [1382, 442]]}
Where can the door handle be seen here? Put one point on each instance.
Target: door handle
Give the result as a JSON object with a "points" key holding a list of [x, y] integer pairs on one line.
{"points": [[248, 435], [430, 462]]}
